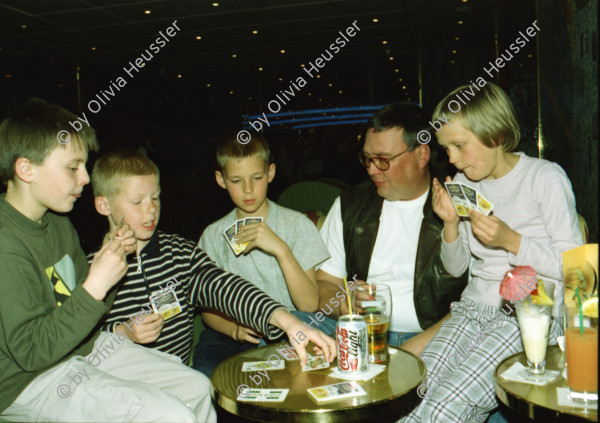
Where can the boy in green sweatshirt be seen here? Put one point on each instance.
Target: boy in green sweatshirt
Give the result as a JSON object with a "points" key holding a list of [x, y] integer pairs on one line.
{"points": [[55, 363]]}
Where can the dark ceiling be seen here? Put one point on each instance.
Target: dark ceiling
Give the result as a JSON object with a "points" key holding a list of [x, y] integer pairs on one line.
{"points": [[217, 56]]}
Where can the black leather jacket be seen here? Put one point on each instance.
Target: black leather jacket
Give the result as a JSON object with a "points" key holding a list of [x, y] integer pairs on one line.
{"points": [[434, 288]]}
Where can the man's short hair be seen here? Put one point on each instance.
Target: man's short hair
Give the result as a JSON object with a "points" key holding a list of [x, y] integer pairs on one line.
{"points": [[488, 113], [407, 116], [32, 132], [111, 168], [229, 148]]}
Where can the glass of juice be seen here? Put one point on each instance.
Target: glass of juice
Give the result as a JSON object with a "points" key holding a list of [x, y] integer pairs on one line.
{"points": [[374, 302], [534, 323], [582, 355]]}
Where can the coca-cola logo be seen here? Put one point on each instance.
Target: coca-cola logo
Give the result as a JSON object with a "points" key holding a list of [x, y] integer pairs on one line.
{"points": [[348, 349]]}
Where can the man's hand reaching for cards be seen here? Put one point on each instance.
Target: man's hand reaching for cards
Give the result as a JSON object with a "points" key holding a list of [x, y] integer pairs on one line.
{"points": [[494, 232], [300, 334]]}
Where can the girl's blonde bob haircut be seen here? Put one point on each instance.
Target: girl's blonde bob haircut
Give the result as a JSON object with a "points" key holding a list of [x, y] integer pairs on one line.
{"points": [[485, 111]]}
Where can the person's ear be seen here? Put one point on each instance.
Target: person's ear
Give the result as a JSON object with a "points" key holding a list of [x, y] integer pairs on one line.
{"points": [[423, 155], [102, 205], [24, 170], [220, 179], [271, 172]]}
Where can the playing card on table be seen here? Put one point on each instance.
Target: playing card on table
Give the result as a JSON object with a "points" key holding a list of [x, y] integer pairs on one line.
{"points": [[250, 220], [264, 395], [257, 366], [315, 363], [288, 353], [461, 204], [337, 391]]}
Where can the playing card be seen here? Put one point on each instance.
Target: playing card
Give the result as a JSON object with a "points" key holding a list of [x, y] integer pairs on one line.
{"points": [[229, 234], [288, 353], [256, 366], [337, 391], [315, 363], [484, 205], [461, 204], [238, 224], [250, 220], [165, 302], [263, 395], [470, 194]]}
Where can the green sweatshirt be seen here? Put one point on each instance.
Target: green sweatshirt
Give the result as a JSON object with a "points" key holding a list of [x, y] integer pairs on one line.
{"points": [[46, 316]]}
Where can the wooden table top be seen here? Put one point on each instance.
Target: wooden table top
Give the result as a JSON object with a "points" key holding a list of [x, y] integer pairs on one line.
{"points": [[390, 395], [539, 402]]}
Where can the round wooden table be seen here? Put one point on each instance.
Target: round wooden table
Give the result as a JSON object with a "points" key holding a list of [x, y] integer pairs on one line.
{"points": [[390, 395], [539, 402]]}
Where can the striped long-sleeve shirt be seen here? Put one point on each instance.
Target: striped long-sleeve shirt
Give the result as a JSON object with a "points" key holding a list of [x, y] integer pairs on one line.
{"points": [[197, 281]]}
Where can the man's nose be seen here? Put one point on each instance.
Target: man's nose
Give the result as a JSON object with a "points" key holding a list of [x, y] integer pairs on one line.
{"points": [[372, 169]]}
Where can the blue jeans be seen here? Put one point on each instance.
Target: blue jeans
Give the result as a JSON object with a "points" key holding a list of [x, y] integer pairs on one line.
{"points": [[398, 338]]}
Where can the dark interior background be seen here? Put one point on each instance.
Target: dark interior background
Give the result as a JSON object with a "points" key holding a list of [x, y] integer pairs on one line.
{"points": [[232, 57]]}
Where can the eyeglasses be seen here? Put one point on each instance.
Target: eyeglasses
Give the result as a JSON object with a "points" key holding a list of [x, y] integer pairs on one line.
{"points": [[380, 163]]}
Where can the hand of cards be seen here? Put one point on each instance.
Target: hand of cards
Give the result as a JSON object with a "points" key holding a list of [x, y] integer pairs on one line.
{"points": [[466, 199], [232, 231]]}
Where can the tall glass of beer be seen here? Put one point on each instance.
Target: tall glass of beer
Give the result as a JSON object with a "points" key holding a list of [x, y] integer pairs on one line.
{"points": [[374, 301]]}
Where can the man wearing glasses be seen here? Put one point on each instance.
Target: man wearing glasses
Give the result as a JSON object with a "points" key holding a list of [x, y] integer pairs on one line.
{"points": [[384, 230]]}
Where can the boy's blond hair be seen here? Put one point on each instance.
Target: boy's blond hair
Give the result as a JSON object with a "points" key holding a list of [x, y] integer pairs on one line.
{"points": [[486, 111], [230, 148], [111, 168], [33, 132]]}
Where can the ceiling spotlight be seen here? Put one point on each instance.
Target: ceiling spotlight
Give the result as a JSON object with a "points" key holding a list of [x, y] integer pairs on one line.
{"points": [[452, 61], [147, 12], [375, 20], [8, 75], [280, 79], [179, 76], [457, 38], [453, 51], [302, 65], [400, 79], [309, 93], [282, 51], [215, 4], [529, 55], [318, 76], [460, 22], [249, 98], [198, 37], [340, 91], [254, 31], [93, 48], [391, 58], [396, 70], [230, 92], [207, 85], [404, 87], [260, 69], [320, 99], [384, 42], [234, 55], [330, 84], [24, 26]]}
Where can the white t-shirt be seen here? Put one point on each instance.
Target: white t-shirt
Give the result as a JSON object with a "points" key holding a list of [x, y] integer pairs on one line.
{"points": [[394, 255]]}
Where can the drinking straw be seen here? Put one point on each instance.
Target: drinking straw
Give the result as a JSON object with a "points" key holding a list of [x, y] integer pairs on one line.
{"points": [[348, 292], [580, 311]]}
